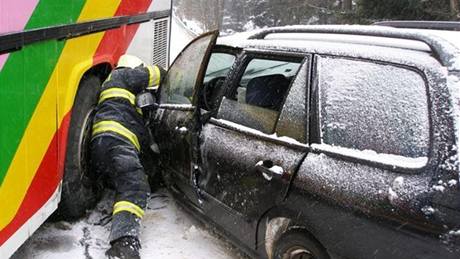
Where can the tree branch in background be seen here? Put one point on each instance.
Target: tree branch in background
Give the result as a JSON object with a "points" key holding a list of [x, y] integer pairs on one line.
{"points": [[240, 15], [454, 8], [347, 5]]}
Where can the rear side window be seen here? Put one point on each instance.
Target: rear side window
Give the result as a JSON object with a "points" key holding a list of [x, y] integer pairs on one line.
{"points": [[260, 94], [374, 107]]}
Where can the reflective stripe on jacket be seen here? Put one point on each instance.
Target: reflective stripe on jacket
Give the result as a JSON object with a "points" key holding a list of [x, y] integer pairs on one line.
{"points": [[115, 127]]}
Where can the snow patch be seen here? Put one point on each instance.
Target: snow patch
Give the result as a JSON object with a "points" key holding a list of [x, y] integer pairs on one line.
{"points": [[275, 228], [277, 169], [167, 232], [398, 182], [193, 25], [388, 159], [453, 82], [452, 182], [454, 232], [366, 187], [286, 139], [181, 130], [243, 128], [392, 195], [439, 188], [428, 210]]}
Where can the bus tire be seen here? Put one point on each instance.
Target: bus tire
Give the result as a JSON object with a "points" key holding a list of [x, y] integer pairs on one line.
{"points": [[79, 187]]}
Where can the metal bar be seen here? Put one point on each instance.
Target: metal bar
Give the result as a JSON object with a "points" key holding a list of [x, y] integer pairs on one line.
{"points": [[434, 25], [442, 50], [15, 41]]}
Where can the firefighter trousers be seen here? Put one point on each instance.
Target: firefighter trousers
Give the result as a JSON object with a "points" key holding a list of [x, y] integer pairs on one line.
{"points": [[118, 162]]}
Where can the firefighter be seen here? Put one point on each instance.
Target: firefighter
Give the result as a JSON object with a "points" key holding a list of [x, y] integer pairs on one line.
{"points": [[119, 138]]}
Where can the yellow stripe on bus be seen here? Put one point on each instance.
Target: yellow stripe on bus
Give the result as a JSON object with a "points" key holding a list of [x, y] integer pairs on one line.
{"points": [[38, 135]]}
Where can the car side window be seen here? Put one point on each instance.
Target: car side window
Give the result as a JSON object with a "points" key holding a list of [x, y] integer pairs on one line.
{"points": [[218, 67], [260, 94], [373, 107]]}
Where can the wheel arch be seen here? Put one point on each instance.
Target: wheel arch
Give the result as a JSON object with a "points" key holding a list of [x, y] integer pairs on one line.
{"points": [[79, 72], [277, 221], [67, 93], [89, 83]]}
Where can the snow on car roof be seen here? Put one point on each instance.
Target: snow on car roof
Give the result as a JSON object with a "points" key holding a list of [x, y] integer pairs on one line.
{"points": [[443, 44], [451, 36], [408, 57]]}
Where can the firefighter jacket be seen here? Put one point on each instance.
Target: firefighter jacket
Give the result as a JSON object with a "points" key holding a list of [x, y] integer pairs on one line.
{"points": [[116, 114]]}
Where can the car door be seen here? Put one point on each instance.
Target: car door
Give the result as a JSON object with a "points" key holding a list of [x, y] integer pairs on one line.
{"points": [[370, 159], [176, 116], [246, 167]]}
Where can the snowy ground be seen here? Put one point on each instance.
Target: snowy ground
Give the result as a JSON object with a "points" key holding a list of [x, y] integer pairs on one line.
{"points": [[168, 232]]}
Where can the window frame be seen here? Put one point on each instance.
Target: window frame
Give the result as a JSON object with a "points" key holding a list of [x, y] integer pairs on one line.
{"points": [[244, 58], [306, 64], [237, 52], [231, 84], [200, 74], [315, 120], [248, 55]]}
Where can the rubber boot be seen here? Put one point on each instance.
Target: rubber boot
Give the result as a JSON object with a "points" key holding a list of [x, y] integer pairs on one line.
{"points": [[124, 248]]}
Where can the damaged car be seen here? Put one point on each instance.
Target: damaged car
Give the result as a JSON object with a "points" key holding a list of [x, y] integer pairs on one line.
{"points": [[318, 141]]}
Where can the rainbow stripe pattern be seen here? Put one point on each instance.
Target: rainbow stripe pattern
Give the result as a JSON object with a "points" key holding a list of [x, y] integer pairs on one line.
{"points": [[37, 87]]}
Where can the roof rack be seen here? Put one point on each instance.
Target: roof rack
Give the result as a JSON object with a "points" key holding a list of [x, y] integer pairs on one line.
{"points": [[430, 25], [442, 50]]}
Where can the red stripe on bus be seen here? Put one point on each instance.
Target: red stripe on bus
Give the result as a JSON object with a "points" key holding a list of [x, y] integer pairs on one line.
{"points": [[42, 187], [113, 38], [45, 183]]}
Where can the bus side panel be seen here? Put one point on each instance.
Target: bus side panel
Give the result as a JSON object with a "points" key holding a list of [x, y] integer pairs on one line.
{"points": [[28, 115], [106, 49], [39, 169]]}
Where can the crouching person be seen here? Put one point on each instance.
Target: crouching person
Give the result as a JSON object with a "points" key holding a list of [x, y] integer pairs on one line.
{"points": [[119, 137]]}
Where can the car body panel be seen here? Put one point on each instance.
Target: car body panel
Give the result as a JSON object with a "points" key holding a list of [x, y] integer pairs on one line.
{"points": [[177, 122], [355, 206]]}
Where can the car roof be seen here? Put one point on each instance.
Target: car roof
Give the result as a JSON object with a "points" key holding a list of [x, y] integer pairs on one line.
{"points": [[443, 45]]}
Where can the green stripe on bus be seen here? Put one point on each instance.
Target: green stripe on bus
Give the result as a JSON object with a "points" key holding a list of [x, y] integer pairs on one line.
{"points": [[26, 74]]}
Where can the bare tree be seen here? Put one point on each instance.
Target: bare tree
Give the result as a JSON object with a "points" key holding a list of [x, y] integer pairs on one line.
{"points": [[347, 5], [219, 13], [454, 8]]}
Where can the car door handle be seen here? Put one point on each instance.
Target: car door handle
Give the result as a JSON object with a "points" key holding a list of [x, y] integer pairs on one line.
{"points": [[181, 130], [269, 170]]}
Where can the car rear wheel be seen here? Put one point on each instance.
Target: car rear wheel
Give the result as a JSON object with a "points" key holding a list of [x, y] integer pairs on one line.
{"points": [[296, 244], [79, 187]]}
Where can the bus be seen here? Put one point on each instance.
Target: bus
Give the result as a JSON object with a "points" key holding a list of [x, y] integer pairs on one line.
{"points": [[54, 55]]}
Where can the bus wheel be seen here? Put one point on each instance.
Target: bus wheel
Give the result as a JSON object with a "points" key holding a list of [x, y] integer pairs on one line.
{"points": [[79, 187], [295, 244]]}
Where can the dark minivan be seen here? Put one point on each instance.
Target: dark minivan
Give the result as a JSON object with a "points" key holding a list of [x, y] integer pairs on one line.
{"points": [[318, 141]]}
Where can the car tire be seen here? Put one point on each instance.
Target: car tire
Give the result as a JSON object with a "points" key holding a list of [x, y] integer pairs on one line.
{"points": [[296, 244], [79, 188]]}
